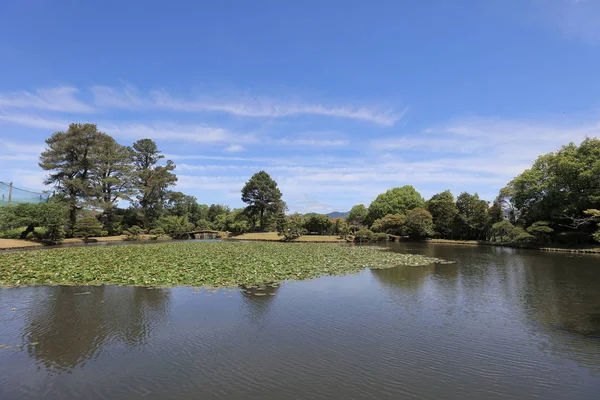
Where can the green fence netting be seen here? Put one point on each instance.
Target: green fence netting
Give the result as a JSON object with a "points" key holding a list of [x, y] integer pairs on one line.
{"points": [[10, 194]]}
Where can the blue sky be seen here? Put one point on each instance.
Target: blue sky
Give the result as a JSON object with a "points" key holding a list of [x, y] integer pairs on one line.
{"points": [[337, 100]]}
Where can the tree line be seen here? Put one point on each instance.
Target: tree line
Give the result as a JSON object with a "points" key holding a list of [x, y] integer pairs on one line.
{"points": [[556, 200], [93, 176]]}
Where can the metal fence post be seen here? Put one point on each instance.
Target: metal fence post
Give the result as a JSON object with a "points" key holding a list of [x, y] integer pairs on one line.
{"points": [[9, 193]]}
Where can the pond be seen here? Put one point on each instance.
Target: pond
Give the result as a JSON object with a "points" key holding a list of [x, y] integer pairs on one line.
{"points": [[500, 323]]}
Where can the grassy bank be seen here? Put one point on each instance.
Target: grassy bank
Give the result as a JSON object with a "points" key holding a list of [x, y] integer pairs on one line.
{"points": [[196, 264], [274, 237], [9, 244], [6, 244]]}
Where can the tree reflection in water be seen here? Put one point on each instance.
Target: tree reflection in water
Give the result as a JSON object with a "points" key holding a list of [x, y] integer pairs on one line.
{"points": [[74, 324]]}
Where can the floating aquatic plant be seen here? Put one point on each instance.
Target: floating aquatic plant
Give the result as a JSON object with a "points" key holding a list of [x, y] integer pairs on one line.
{"points": [[194, 264]]}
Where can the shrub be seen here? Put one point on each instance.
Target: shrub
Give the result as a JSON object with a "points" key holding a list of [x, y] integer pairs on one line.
{"points": [[157, 233], [541, 230], [53, 218], [519, 235], [502, 229], [317, 224], [391, 223], [239, 227], [134, 233], [364, 235], [11, 233], [39, 233], [380, 237], [114, 228], [87, 227], [291, 227], [176, 227], [203, 225]]}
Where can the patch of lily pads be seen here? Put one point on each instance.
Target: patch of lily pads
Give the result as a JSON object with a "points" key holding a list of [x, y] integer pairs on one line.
{"points": [[217, 264]]}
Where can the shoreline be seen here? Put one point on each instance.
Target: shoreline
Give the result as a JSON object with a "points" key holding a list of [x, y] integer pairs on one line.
{"points": [[582, 250], [7, 245]]}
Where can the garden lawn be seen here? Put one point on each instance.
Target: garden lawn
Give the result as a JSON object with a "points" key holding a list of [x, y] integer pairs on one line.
{"points": [[195, 264], [274, 237], [16, 244]]}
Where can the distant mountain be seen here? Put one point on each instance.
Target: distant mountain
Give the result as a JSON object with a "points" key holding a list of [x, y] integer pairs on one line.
{"points": [[337, 214]]}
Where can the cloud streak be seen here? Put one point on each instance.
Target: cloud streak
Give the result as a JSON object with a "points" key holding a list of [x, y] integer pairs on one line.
{"points": [[55, 99], [129, 98]]}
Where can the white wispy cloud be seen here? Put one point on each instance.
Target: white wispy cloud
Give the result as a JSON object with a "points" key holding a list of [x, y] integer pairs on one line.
{"points": [[198, 133], [234, 148], [504, 143], [130, 98], [195, 133], [11, 147], [311, 142], [34, 121], [54, 99]]}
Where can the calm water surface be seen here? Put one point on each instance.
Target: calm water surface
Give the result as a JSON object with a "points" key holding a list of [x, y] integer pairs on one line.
{"points": [[501, 323]]}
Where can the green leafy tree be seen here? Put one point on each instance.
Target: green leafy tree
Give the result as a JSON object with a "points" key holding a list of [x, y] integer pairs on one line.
{"points": [[364, 235], [317, 224], [217, 215], [496, 213], [152, 180], [112, 177], [392, 224], [395, 201], [157, 233], [134, 233], [473, 216], [176, 227], [291, 227], [520, 235], [595, 215], [541, 230], [443, 210], [506, 203], [262, 196], [502, 230], [20, 215], [52, 217], [203, 224], [357, 215], [87, 227], [236, 222], [419, 223], [182, 205], [559, 186], [70, 158], [340, 227]]}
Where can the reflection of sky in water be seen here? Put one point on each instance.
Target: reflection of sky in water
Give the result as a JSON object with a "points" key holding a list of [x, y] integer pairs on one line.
{"points": [[498, 323]]}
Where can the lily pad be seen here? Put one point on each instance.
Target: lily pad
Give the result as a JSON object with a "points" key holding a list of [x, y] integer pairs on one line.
{"points": [[217, 264]]}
